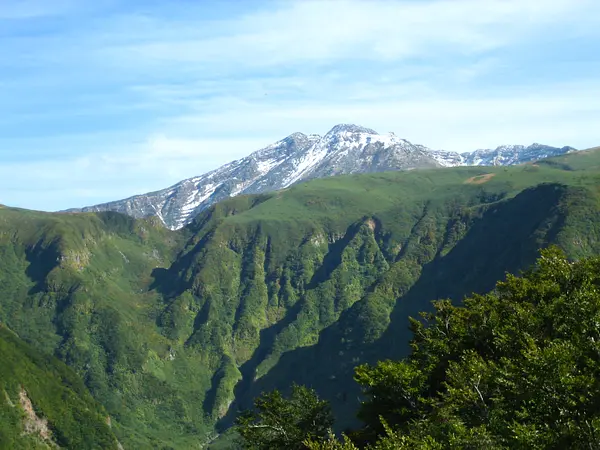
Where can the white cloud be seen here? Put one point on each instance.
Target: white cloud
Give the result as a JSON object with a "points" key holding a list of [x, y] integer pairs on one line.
{"points": [[326, 31], [558, 114]]}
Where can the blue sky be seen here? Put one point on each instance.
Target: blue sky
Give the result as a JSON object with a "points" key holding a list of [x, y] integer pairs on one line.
{"points": [[106, 99]]}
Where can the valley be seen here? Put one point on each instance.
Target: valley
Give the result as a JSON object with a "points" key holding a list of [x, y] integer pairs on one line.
{"points": [[174, 332]]}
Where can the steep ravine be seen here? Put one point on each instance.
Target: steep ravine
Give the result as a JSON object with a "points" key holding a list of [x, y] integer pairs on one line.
{"points": [[256, 308], [176, 331]]}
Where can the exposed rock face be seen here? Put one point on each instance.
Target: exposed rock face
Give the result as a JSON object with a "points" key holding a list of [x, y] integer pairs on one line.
{"points": [[32, 424], [346, 149]]}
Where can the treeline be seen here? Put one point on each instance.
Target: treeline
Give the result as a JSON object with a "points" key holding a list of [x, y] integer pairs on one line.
{"points": [[518, 368]]}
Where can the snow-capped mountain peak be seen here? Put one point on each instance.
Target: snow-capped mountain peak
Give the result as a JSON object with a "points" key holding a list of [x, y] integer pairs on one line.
{"points": [[349, 128], [345, 149]]}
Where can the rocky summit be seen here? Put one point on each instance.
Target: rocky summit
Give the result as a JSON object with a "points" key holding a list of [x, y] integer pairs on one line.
{"points": [[345, 149]]}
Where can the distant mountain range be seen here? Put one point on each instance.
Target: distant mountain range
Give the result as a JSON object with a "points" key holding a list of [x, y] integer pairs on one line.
{"points": [[346, 149]]}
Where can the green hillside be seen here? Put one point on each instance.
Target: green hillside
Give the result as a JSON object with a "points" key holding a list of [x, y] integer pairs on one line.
{"points": [[44, 404], [174, 331]]}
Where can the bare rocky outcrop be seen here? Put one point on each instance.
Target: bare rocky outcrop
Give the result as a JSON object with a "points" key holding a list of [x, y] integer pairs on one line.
{"points": [[32, 423]]}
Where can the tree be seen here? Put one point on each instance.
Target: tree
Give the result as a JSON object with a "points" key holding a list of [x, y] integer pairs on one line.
{"points": [[281, 423], [516, 368]]}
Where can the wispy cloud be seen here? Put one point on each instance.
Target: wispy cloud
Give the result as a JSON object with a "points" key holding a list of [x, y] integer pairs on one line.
{"points": [[308, 31], [104, 100], [102, 174]]}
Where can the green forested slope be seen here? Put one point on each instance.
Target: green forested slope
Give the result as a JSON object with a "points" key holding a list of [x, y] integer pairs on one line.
{"points": [[516, 368], [174, 331], [77, 286], [43, 403]]}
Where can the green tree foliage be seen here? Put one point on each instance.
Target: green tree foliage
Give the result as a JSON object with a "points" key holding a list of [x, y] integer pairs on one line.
{"points": [[516, 368], [280, 423], [390, 440]]}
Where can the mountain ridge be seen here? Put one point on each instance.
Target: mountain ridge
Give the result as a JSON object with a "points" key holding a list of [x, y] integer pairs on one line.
{"points": [[345, 149], [175, 331]]}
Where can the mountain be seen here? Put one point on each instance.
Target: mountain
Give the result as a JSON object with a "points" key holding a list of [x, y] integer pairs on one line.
{"points": [[44, 405], [346, 149], [174, 331]]}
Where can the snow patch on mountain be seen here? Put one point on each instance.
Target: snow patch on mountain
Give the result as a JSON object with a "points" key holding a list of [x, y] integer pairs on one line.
{"points": [[195, 199], [313, 156], [265, 166]]}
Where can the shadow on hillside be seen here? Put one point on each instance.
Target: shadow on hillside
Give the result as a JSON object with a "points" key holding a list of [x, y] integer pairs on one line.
{"points": [[172, 281], [42, 258], [333, 257], [248, 369], [506, 238]]}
